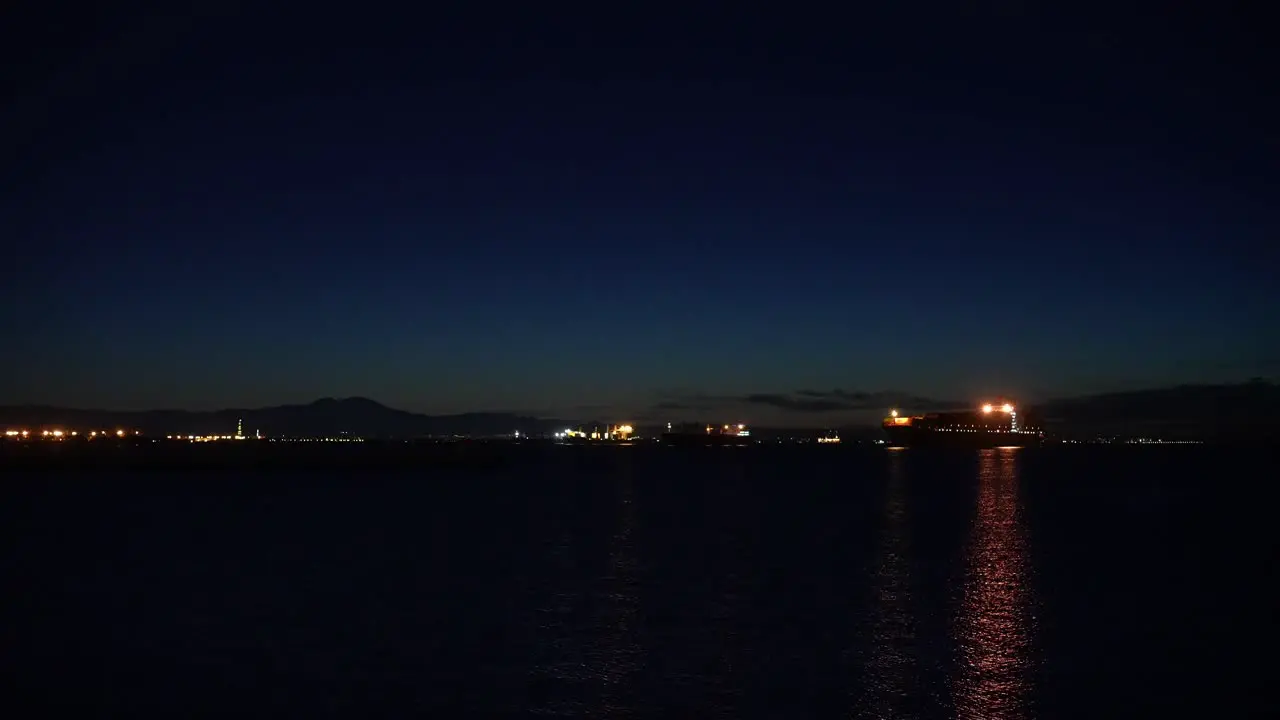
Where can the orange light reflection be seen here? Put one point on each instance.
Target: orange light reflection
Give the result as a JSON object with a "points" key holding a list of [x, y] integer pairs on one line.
{"points": [[994, 625]]}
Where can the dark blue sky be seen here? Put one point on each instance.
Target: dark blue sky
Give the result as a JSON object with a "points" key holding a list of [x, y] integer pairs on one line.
{"points": [[484, 211]]}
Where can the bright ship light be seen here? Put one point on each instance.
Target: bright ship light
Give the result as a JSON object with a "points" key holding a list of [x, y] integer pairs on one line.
{"points": [[987, 408], [1006, 408]]}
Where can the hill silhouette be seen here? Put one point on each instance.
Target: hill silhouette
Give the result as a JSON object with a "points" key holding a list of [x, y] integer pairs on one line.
{"points": [[1237, 411], [324, 417], [1212, 412]]}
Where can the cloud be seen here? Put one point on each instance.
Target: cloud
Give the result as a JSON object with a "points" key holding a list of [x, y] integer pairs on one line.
{"points": [[673, 405], [596, 407], [809, 401], [797, 404], [883, 399], [674, 400]]}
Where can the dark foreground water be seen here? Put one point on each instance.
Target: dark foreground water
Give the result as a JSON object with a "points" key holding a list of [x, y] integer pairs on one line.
{"points": [[650, 582]]}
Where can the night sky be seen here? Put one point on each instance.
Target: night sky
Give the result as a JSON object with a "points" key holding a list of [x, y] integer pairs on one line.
{"points": [[642, 212]]}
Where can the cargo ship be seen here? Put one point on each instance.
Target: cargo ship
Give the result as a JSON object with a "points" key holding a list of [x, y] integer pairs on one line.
{"points": [[707, 434], [990, 425], [622, 432]]}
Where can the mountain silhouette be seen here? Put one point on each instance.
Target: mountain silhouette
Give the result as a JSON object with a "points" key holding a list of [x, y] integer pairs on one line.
{"points": [[355, 416], [1212, 412], [1237, 411]]}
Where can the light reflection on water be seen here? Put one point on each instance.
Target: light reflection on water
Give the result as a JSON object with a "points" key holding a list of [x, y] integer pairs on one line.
{"points": [[766, 589], [594, 658], [618, 655], [724, 621], [892, 664], [994, 627]]}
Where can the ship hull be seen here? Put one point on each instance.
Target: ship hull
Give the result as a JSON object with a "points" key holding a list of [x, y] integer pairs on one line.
{"points": [[702, 439], [925, 437]]}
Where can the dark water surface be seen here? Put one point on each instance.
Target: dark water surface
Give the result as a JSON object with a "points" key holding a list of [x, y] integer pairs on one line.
{"points": [[651, 582]]}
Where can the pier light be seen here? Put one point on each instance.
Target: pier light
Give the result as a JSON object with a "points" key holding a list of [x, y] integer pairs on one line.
{"points": [[987, 408], [119, 433], [893, 413], [1006, 408]]}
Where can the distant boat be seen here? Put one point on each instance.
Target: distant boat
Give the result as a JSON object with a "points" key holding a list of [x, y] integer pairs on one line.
{"points": [[622, 432], [707, 434]]}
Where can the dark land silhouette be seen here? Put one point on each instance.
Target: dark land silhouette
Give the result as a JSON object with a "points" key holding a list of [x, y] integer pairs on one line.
{"points": [[1242, 411], [326, 417]]}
